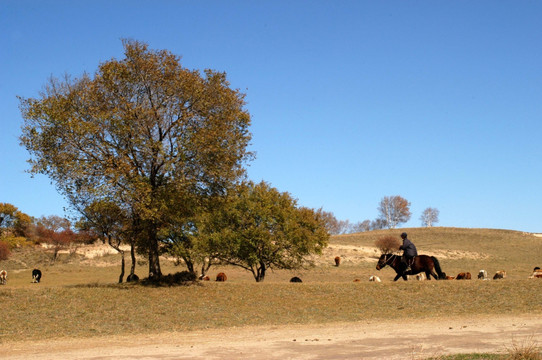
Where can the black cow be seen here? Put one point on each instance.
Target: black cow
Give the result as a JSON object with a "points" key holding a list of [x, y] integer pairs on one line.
{"points": [[132, 278], [36, 275]]}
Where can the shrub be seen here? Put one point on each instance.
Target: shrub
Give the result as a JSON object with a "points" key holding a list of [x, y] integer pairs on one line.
{"points": [[16, 241], [387, 244], [528, 350], [179, 278], [4, 250]]}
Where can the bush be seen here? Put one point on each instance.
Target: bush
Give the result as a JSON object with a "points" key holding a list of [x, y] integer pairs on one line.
{"points": [[179, 278], [4, 250], [16, 241], [387, 244]]}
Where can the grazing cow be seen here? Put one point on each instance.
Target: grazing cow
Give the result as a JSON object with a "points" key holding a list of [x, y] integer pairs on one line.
{"points": [[450, 277], [501, 274], [296, 279], [337, 260], [417, 277], [374, 278], [36, 275], [132, 278], [537, 273], [204, 278], [463, 276], [420, 277], [3, 277], [221, 277], [482, 275]]}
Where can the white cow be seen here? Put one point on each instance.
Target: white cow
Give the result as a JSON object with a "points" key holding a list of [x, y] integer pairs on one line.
{"points": [[537, 273], [374, 278], [482, 275]]}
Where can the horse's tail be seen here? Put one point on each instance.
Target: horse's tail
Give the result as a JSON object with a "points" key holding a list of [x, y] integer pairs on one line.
{"points": [[440, 274]]}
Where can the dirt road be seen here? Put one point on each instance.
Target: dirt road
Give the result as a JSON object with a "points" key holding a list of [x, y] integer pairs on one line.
{"points": [[367, 340]]}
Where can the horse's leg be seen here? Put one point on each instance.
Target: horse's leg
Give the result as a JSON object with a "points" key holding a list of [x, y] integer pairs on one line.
{"points": [[397, 277], [428, 275]]}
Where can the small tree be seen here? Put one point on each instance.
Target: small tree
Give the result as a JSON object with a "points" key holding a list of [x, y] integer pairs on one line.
{"points": [[264, 229], [394, 210], [429, 217], [56, 231], [333, 225], [362, 226], [387, 244], [110, 222], [377, 224], [4, 250]]}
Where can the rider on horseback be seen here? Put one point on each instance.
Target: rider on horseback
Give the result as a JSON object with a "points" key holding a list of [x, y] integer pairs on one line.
{"points": [[409, 252]]}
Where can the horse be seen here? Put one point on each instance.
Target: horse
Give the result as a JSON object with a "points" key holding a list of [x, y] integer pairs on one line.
{"points": [[421, 263]]}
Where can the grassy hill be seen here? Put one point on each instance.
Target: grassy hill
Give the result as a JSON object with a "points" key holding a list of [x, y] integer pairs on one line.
{"points": [[79, 297]]}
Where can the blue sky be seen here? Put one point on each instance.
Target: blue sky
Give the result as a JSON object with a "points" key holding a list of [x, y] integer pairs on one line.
{"points": [[438, 102]]}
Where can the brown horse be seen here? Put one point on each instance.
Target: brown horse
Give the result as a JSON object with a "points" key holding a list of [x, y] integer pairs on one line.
{"points": [[421, 263]]}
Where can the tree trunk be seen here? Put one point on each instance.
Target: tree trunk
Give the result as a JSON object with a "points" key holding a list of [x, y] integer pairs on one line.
{"points": [[260, 273], [189, 264], [122, 262], [155, 272], [132, 256]]}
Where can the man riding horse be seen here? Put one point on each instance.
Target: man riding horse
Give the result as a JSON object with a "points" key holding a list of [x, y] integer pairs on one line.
{"points": [[409, 253]]}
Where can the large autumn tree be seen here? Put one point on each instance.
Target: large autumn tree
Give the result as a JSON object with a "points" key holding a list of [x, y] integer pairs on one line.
{"points": [[143, 131]]}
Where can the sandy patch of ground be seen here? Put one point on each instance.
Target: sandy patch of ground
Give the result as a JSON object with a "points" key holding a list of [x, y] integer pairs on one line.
{"points": [[356, 254], [367, 340]]}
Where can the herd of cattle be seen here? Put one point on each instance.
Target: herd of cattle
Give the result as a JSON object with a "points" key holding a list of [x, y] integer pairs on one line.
{"points": [[482, 275]]}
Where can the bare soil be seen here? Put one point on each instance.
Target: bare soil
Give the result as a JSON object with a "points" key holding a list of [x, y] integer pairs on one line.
{"points": [[365, 340]]}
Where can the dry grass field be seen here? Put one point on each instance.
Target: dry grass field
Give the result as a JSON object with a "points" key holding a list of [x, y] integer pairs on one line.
{"points": [[79, 297]]}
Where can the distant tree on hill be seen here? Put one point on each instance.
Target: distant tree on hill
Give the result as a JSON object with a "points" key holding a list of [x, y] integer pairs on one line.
{"points": [[333, 225], [14, 222], [361, 226], [394, 210], [429, 217], [377, 224], [56, 231]]}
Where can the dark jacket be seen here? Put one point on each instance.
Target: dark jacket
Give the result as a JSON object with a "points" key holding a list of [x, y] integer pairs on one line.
{"points": [[409, 248]]}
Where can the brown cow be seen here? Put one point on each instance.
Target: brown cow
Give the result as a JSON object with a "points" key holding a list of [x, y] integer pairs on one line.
{"points": [[221, 277], [3, 277], [337, 260], [463, 276], [501, 274], [537, 273]]}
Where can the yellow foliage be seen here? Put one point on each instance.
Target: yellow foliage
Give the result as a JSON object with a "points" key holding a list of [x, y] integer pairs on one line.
{"points": [[16, 241]]}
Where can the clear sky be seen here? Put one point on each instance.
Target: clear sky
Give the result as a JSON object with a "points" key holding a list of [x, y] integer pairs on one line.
{"points": [[439, 102]]}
